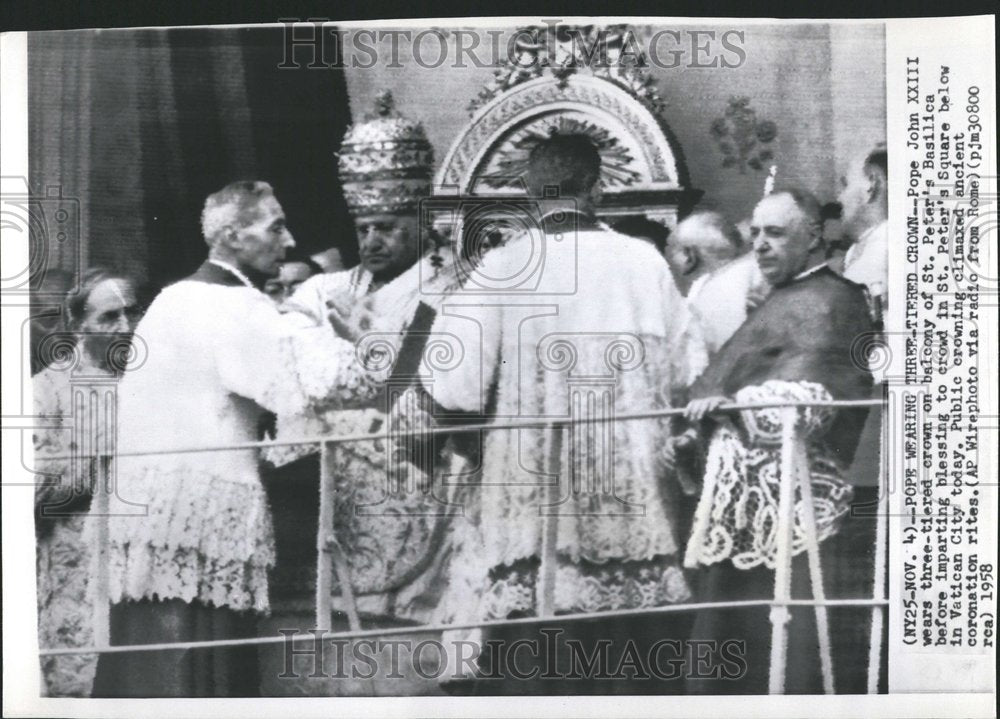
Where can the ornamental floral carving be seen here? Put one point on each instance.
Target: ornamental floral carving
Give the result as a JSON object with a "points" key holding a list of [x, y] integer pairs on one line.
{"points": [[744, 139], [590, 96]]}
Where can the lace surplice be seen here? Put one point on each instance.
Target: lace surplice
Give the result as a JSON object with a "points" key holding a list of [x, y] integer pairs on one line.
{"points": [[619, 343], [745, 470], [197, 526]]}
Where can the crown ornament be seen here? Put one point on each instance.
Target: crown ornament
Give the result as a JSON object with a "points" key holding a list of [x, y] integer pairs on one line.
{"points": [[385, 162]]}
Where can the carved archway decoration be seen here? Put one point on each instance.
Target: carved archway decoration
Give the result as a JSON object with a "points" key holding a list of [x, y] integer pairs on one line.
{"points": [[555, 87]]}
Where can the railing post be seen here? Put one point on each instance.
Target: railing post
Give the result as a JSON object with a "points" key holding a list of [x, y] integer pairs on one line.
{"points": [[324, 532], [546, 589], [102, 536], [815, 566], [329, 554], [780, 614]]}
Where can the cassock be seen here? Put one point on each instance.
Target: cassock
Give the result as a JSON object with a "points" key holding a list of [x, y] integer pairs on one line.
{"points": [[191, 537], [796, 346], [580, 322]]}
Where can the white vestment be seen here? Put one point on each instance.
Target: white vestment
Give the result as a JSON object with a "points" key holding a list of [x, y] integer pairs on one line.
{"points": [[591, 329], [718, 300], [210, 359], [867, 261]]}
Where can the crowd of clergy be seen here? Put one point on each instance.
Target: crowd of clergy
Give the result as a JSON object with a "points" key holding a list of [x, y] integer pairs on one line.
{"points": [[574, 325]]}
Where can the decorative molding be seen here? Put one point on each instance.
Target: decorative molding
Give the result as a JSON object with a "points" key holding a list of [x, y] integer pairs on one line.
{"points": [[745, 140], [605, 105], [588, 80], [510, 160], [607, 52]]}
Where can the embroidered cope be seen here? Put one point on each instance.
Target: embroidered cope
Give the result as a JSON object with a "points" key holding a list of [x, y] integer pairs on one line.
{"points": [[389, 516], [65, 616]]}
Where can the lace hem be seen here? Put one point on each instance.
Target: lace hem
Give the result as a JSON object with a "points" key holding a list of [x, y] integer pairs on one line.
{"points": [[586, 586], [764, 425], [201, 537], [741, 512], [147, 572], [613, 488]]}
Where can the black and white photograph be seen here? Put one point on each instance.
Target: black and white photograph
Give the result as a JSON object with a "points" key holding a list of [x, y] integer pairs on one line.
{"points": [[470, 360]]}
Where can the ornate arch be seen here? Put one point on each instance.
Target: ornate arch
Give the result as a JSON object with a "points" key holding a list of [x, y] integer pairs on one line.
{"points": [[643, 170]]}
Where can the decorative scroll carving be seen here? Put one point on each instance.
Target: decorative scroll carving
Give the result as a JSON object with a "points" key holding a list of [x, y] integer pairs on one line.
{"points": [[610, 53], [588, 80]]}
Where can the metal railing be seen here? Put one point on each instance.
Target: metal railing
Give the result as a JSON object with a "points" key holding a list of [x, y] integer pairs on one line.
{"points": [[331, 563]]}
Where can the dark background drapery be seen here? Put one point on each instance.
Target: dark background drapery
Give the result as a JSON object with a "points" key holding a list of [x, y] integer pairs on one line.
{"points": [[140, 126]]}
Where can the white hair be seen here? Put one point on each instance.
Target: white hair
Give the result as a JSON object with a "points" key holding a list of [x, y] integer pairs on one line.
{"points": [[227, 207], [723, 238]]}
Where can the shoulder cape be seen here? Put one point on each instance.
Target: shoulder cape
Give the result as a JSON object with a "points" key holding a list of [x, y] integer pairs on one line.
{"points": [[803, 331]]}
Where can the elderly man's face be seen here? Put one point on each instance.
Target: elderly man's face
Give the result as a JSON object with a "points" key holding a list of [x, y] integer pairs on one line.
{"points": [[389, 244], [261, 242], [110, 316], [782, 238]]}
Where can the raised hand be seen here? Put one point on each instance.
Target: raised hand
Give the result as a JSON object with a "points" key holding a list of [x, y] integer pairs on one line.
{"points": [[350, 321]]}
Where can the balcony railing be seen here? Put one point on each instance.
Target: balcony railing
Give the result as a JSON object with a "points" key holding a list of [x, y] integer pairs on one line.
{"points": [[331, 564]]}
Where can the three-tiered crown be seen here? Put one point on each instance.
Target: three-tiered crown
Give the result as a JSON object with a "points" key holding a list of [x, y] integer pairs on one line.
{"points": [[385, 162]]}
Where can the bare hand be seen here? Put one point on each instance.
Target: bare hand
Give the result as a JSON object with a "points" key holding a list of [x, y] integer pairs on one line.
{"points": [[668, 454], [756, 295], [351, 323], [699, 408]]}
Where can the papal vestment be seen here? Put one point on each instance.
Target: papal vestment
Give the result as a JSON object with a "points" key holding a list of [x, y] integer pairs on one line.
{"points": [[388, 517]]}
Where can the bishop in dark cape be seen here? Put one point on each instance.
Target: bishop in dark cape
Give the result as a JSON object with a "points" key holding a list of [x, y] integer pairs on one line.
{"points": [[795, 347]]}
